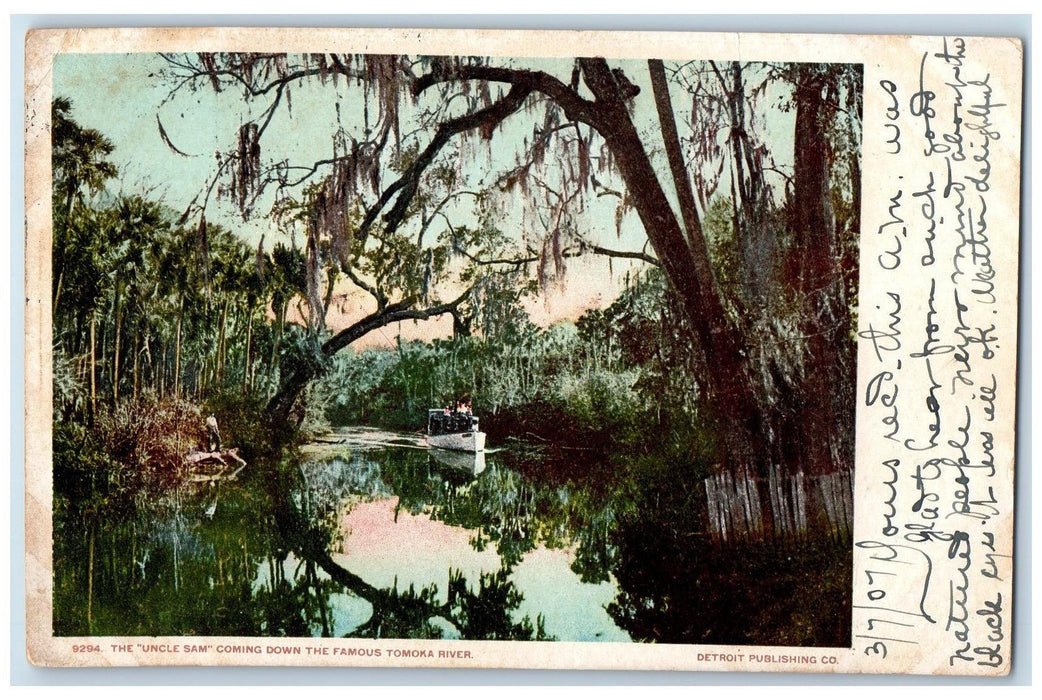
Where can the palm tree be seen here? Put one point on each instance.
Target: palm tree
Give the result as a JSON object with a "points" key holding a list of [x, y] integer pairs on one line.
{"points": [[78, 165]]}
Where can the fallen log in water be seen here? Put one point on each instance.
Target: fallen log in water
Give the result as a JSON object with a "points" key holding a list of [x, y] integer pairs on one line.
{"points": [[200, 465], [219, 476], [219, 457]]}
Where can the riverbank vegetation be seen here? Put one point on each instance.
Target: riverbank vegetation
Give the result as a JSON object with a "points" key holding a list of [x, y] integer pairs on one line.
{"points": [[730, 342], [615, 380], [167, 322]]}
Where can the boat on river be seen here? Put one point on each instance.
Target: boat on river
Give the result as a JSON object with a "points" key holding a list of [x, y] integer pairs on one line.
{"points": [[454, 430]]}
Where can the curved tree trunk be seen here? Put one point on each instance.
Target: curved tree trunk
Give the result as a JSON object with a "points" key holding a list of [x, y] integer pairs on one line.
{"points": [[280, 407], [735, 396], [732, 400]]}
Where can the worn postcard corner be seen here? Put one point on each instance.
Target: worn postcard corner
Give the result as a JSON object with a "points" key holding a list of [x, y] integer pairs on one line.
{"points": [[492, 349]]}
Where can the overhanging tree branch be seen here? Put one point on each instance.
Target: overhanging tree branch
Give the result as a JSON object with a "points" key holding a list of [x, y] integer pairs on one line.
{"points": [[381, 298], [281, 403], [406, 186], [627, 254], [575, 107]]}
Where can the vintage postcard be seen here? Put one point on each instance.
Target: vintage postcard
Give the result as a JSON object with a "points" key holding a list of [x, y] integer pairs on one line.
{"points": [[567, 350]]}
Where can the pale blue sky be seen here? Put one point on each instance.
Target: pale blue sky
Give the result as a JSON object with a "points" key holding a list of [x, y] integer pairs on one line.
{"points": [[122, 94]]}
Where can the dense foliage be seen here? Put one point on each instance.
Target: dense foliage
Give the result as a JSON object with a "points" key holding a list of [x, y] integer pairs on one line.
{"points": [[744, 177], [614, 379], [730, 341]]}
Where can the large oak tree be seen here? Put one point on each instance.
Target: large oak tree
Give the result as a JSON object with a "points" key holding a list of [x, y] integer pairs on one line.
{"points": [[774, 355]]}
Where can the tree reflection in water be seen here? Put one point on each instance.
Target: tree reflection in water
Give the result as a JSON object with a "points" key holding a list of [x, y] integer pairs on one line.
{"points": [[262, 566], [267, 562]]}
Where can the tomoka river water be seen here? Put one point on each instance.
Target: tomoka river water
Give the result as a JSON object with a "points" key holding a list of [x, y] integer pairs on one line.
{"points": [[520, 555], [371, 534]]}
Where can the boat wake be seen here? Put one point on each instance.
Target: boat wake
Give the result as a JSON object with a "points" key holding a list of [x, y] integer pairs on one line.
{"points": [[367, 438], [364, 437]]}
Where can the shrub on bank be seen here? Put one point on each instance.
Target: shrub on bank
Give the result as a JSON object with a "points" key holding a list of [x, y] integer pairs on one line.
{"points": [[133, 449]]}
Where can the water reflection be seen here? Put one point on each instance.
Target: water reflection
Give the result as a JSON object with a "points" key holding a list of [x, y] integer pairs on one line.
{"points": [[469, 463], [374, 535], [368, 537], [466, 516]]}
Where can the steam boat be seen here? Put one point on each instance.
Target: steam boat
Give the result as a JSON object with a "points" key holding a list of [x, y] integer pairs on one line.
{"points": [[454, 430]]}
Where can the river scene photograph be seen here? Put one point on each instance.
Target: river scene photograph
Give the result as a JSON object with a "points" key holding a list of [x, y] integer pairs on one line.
{"points": [[454, 347]]}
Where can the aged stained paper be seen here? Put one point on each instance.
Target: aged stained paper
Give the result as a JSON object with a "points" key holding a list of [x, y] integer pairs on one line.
{"points": [[520, 557]]}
